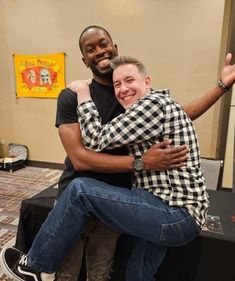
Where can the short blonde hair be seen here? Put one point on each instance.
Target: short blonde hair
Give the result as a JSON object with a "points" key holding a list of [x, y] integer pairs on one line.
{"points": [[121, 60]]}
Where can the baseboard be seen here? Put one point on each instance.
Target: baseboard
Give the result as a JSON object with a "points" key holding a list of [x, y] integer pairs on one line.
{"points": [[225, 189], [43, 164]]}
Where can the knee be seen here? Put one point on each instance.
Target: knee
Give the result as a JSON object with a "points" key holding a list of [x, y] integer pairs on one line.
{"points": [[78, 186]]}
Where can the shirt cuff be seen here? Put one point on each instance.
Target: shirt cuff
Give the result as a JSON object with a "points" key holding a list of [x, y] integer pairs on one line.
{"points": [[86, 110]]}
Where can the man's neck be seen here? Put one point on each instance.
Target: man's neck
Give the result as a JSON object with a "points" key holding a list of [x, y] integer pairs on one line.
{"points": [[103, 80]]}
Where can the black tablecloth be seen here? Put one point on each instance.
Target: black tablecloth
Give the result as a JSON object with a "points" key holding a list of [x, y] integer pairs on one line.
{"points": [[33, 213], [210, 257]]}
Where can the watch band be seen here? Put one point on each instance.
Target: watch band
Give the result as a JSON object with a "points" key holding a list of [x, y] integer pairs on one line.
{"points": [[222, 86]]}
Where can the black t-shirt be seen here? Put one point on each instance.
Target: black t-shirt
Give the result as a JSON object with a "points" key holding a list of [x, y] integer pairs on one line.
{"points": [[108, 108]]}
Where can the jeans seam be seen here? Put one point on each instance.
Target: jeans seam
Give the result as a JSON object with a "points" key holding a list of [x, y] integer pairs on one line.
{"points": [[120, 201]]}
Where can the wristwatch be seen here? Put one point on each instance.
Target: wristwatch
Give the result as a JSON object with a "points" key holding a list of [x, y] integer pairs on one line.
{"points": [[138, 164], [222, 86]]}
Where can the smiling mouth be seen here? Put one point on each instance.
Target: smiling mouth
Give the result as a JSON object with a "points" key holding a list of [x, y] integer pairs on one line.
{"points": [[127, 98], [103, 63]]}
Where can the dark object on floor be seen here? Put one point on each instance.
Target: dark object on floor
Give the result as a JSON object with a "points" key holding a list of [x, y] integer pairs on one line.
{"points": [[13, 166], [16, 157]]}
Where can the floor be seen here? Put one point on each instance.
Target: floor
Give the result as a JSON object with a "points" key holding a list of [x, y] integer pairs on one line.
{"points": [[15, 187]]}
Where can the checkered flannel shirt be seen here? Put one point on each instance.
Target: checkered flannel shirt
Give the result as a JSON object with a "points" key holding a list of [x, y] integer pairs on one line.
{"points": [[149, 121]]}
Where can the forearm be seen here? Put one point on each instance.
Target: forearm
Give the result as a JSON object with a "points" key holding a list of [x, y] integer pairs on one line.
{"points": [[87, 160], [159, 157], [128, 128], [199, 106], [103, 163]]}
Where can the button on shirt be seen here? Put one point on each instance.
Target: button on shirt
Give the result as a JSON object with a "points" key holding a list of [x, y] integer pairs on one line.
{"points": [[149, 121]]}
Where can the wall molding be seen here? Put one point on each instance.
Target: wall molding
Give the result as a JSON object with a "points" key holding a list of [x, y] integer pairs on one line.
{"points": [[43, 164]]}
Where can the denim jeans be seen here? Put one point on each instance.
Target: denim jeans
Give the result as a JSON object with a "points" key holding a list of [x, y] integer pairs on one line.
{"points": [[155, 225]]}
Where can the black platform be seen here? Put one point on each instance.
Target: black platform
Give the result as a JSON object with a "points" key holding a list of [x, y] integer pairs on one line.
{"points": [[210, 257]]}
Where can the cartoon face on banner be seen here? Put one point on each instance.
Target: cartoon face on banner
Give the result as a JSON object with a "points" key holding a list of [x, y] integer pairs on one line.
{"points": [[45, 77], [39, 76]]}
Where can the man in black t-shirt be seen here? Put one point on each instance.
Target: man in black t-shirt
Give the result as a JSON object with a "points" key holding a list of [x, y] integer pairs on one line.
{"points": [[99, 241], [96, 236], [104, 98]]}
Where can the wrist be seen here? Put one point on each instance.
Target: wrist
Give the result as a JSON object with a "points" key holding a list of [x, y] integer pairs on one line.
{"points": [[222, 86], [82, 99], [138, 163]]}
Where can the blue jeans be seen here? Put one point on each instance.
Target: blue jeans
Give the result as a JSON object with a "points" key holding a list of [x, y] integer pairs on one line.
{"points": [[155, 225]]}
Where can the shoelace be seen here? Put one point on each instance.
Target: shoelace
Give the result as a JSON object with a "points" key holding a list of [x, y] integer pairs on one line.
{"points": [[23, 260]]}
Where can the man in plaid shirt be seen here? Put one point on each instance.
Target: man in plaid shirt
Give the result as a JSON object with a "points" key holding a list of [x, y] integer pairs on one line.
{"points": [[150, 117], [163, 209]]}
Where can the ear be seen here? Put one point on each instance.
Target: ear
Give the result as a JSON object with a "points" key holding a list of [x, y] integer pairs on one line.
{"points": [[85, 62], [148, 83], [116, 48]]}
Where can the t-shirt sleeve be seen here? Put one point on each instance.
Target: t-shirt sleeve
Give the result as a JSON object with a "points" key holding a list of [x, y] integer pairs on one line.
{"points": [[66, 108]]}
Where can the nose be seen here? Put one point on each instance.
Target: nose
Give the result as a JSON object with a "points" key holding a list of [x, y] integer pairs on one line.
{"points": [[99, 51], [123, 88]]}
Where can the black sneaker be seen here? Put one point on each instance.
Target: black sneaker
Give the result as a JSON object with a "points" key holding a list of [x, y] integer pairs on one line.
{"points": [[14, 264]]}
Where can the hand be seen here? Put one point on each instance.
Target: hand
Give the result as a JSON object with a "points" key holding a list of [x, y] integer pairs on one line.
{"points": [[227, 75], [81, 87], [161, 156], [74, 85]]}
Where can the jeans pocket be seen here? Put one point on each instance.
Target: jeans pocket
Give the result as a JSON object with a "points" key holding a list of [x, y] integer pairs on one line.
{"points": [[179, 233]]}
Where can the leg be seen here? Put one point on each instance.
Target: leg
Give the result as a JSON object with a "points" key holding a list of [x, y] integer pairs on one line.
{"points": [[122, 255], [100, 250], [136, 212], [70, 268], [71, 265], [145, 259]]}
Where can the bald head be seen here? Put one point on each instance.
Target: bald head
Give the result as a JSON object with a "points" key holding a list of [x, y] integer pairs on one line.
{"points": [[92, 28]]}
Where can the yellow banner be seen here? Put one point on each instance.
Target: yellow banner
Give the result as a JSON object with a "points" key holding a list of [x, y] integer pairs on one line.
{"points": [[39, 76]]}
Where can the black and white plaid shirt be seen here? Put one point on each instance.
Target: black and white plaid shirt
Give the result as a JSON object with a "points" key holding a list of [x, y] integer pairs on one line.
{"points": [[149, 121]]}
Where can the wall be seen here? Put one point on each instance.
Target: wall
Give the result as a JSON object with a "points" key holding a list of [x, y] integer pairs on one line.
{"points": [[230, 153], [179, 41]]}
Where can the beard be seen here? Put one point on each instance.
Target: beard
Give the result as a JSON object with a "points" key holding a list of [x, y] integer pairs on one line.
{"points": [[105, 72]]}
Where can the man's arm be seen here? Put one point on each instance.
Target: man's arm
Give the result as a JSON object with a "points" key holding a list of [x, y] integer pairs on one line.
{"points": [[159, 157], [199, 106], [141, 122], [84, 159]]}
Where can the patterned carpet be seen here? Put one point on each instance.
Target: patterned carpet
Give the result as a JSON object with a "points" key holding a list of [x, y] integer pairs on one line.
{"points": [[15, 187]]}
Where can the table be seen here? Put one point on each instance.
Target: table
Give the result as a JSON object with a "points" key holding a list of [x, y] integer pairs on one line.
{"points": [[210, 257]]}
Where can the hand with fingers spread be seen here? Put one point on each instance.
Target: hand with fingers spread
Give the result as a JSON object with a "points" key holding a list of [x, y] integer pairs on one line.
{"points": [[197, 107], [227, 76], [161, 156]]}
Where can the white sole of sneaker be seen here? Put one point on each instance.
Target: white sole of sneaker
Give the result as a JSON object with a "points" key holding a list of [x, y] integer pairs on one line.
{"points": [[5, 269]]}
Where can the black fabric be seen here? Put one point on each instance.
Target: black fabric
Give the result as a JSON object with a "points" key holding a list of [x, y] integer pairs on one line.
{"points": [[210, 257], [108, 108], [33, 213]]}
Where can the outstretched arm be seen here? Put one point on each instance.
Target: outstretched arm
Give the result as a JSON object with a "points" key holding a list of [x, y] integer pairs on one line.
{"points": [[199, 106]]}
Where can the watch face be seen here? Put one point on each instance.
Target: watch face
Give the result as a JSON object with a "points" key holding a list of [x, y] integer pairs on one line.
{"points": [[138, 164]]}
